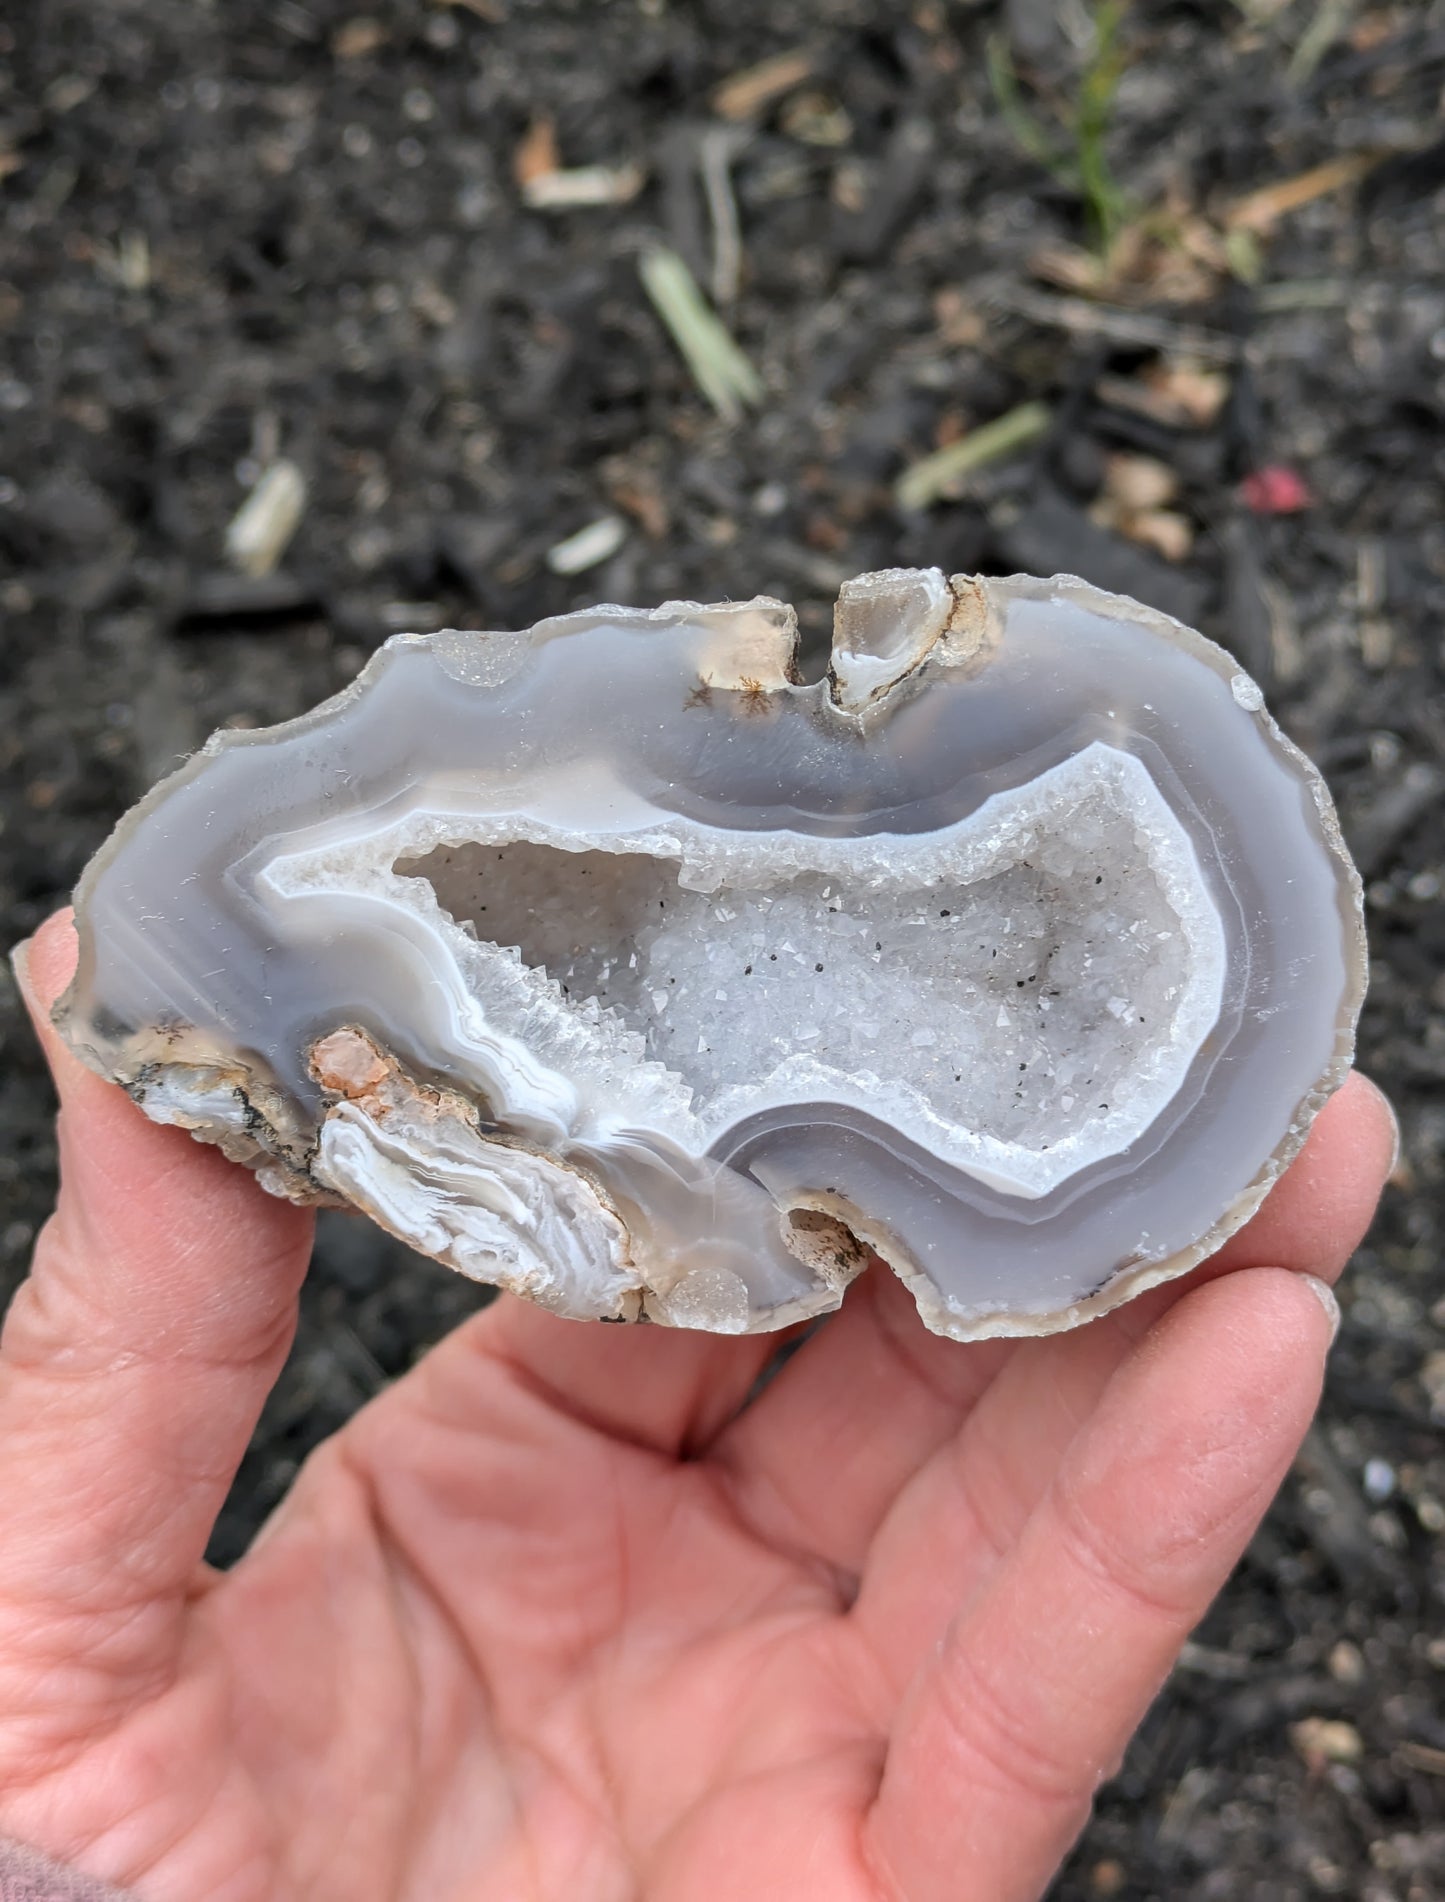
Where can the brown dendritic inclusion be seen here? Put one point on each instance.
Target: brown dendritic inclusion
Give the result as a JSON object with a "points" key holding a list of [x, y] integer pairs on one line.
{"points": [[608, 963]]}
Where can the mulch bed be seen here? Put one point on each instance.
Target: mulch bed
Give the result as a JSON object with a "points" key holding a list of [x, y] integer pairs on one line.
{"points": [[228, 233]]}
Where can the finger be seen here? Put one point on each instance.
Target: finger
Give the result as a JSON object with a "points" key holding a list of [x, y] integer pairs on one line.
{"points": [[1027, 1704], [867, 1400], [969, 1503], [135, 1359], [1315, 1217], [875, 1396]]}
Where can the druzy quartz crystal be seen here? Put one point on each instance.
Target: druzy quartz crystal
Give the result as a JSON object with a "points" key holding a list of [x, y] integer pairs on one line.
{"points": [[609, 963]]}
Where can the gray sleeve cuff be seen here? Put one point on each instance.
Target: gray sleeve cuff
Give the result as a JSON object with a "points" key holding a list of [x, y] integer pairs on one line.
{"points": [[26, 1876]]}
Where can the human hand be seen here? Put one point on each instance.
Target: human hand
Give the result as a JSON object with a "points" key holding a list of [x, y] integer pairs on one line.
{"points": [[563, 1614]]}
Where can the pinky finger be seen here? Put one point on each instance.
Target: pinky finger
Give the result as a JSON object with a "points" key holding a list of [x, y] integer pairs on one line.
{"points": [[1033, 1694]]}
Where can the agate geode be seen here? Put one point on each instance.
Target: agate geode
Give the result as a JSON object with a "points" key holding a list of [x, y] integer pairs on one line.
{"points": [[608, 963]]}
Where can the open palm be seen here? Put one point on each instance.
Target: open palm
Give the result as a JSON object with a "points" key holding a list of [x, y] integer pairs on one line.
{"points": [[593, 1613]]}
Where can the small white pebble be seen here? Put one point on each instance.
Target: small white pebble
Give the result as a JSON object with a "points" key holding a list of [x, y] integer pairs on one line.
{"points": [[1347, 1663], [1378, 1481], [589, 546], [1326, 1740], [1246, 692]]}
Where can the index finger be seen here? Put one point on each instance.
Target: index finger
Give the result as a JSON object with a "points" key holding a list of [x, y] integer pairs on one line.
{"points": [[135, 1358]]}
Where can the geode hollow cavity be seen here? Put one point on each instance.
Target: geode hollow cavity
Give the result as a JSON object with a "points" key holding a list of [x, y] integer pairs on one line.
{"points": [[609, 963]]}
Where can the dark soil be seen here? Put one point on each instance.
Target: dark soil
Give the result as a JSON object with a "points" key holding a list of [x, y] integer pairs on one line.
{"points": [[232, 230]]}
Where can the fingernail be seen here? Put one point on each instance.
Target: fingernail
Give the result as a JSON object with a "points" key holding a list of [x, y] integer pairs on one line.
{"points": [[1394, 1125], [1325, 1295], [20, 965], [1393, 1115]]}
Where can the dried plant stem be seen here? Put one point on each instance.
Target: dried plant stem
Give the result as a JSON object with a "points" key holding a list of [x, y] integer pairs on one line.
{"points": [[926, 480], [722, 372]]}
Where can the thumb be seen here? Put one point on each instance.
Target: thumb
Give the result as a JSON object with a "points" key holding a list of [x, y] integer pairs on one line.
{"points": [[134, 1362]]}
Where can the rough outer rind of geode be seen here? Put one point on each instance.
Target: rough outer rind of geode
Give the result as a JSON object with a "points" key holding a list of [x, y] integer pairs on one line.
{"points": [[609, 963]]}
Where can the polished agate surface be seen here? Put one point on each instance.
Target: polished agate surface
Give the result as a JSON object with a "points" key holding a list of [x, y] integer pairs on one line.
{"points": [[607, 962]]}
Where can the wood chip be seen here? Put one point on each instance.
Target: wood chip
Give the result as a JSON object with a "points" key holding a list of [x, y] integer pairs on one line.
{"points": [[1139, 482], [492, 11], [1322, 1740], [1135, 502], [261, 529], [1189, 391], [633, 484], [591, 545], [1418, 1756], [536, 153], [1376, 636], [747, 93], [583, 186], [1260, 211], [356, 38], [1166, 531], [815, 118], [960, 325], [127, 262]]}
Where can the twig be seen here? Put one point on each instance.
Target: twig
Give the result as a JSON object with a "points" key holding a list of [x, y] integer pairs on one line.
{"points": [[1418, 1756], [1304, 293], [717, 149], [724, 375], [1330, 20], [749, 91], [1135, 327], [926, 480]]}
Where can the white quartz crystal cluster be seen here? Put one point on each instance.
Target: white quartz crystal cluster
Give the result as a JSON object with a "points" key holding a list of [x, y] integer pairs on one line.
{"points": [[609, 963], [1022, 991]]}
